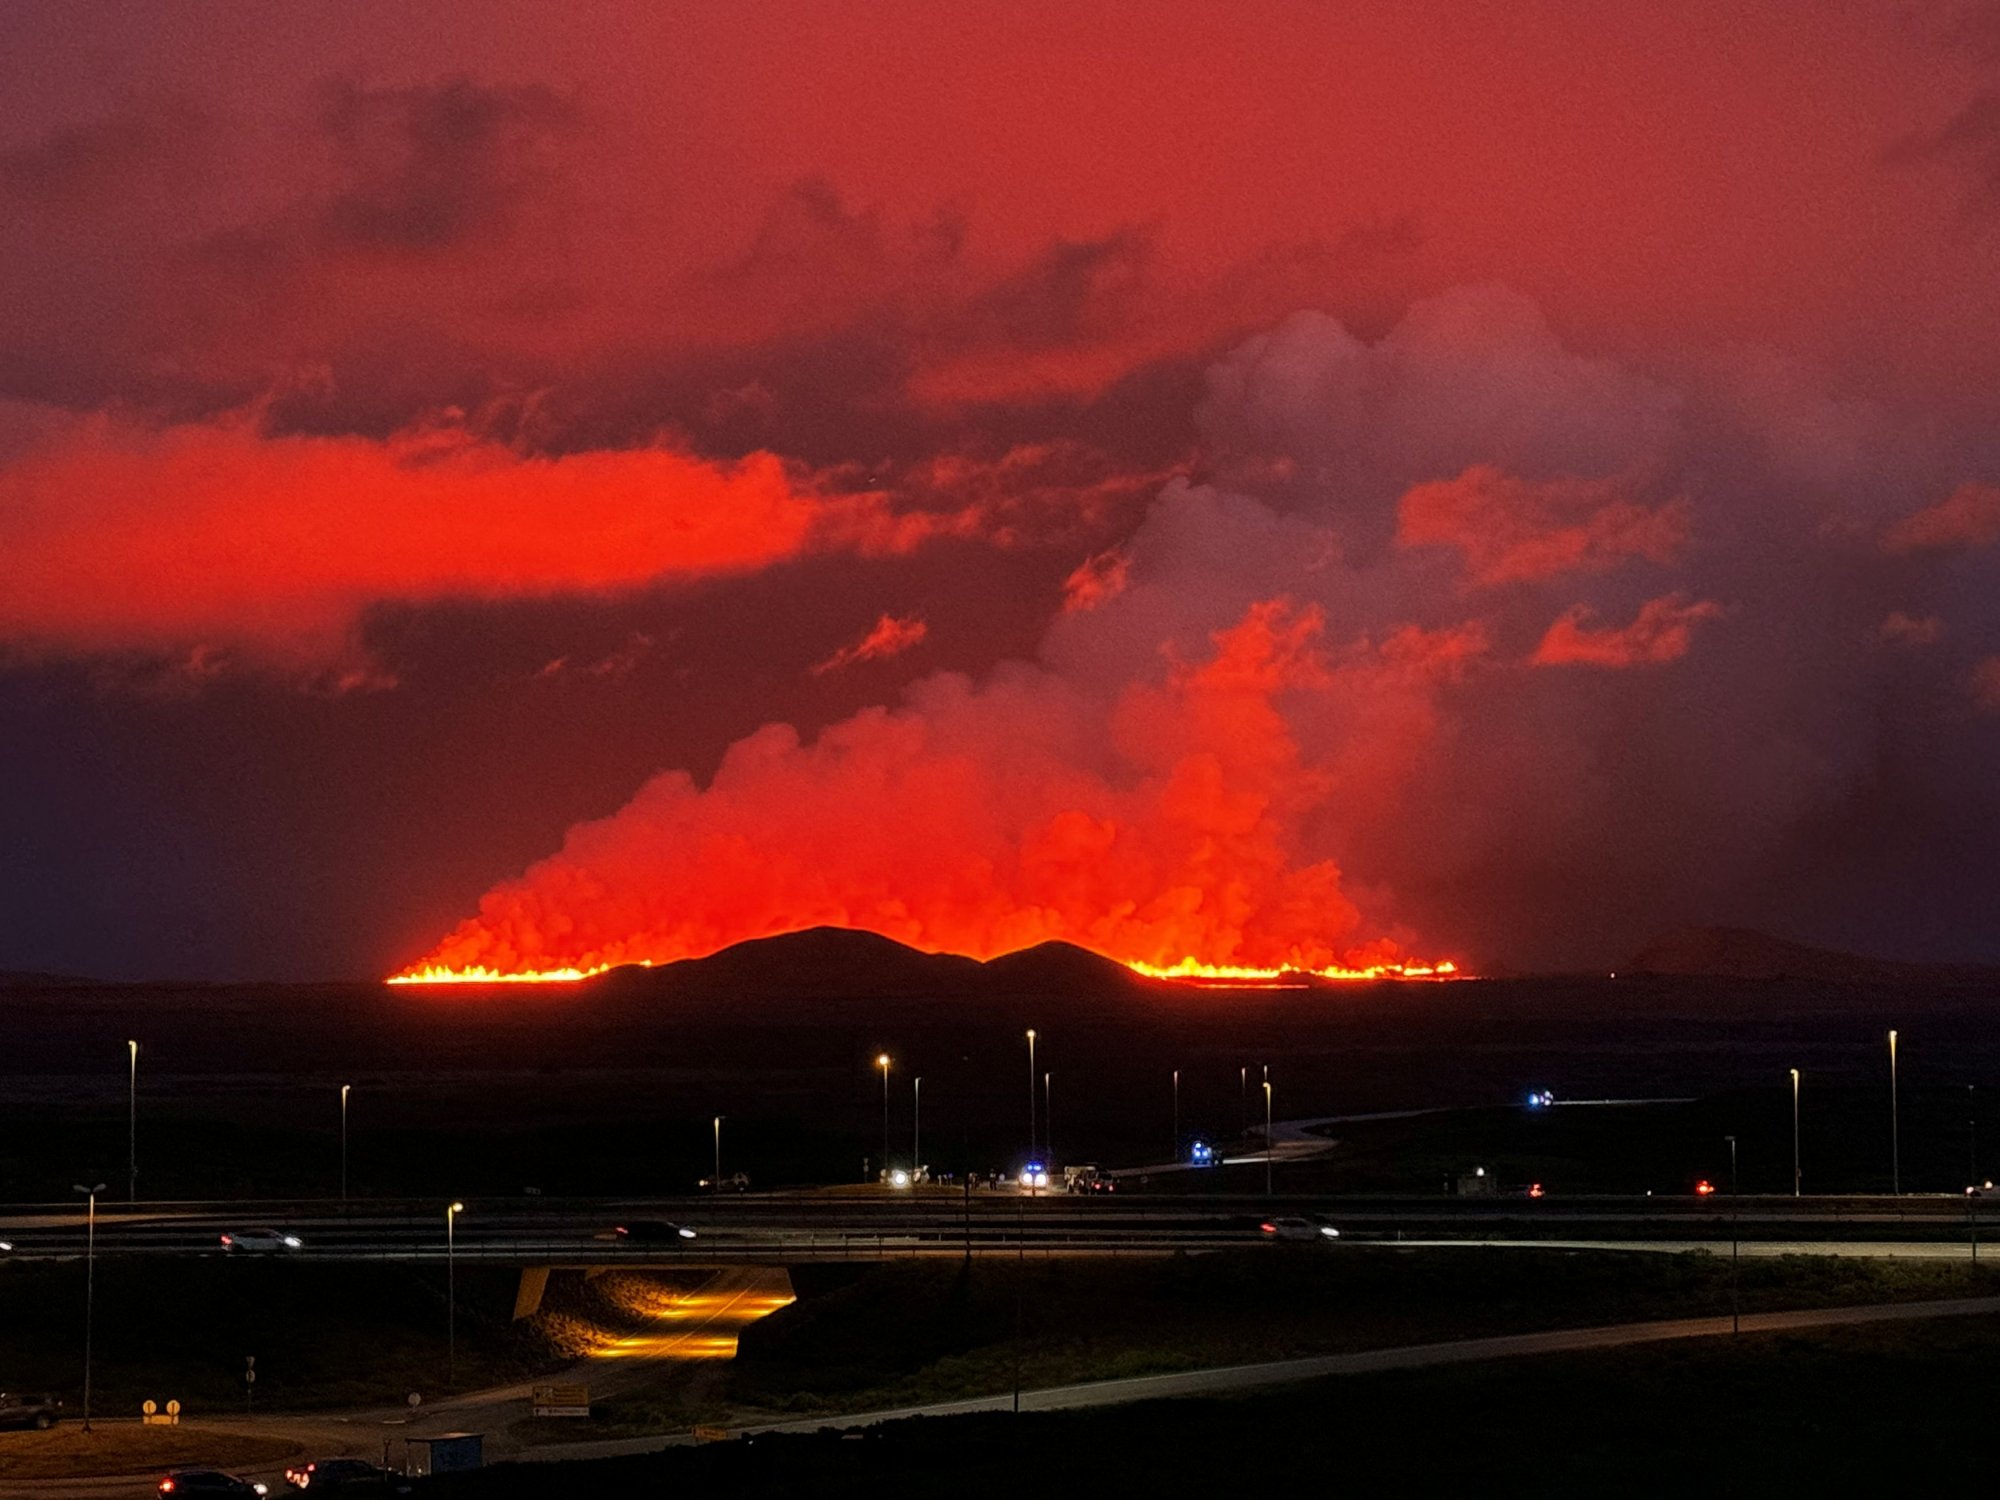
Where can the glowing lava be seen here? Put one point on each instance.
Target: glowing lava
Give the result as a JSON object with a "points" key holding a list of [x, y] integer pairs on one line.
{"points": [[1189, 968], [438, 974], [1186, 968]]}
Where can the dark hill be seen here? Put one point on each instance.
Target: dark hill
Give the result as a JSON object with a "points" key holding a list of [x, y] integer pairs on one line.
{"points": [[818, 963], [1061, 969], [1737, 953], [838, 963]]}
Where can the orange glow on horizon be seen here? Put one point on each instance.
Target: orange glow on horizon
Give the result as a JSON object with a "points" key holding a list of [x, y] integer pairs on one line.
{"points": [[1221, 975]]}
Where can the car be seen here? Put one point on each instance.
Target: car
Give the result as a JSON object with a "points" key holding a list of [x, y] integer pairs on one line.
{"points": [[25, 1409], [260, 1241], [347, 1476], [1293, 1228], [735, 1182], [651, 1231], [209, 1482]]}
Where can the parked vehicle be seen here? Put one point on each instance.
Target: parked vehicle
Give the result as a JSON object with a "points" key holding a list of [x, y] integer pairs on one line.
{"points": [[735, 1182], [25, 1409], [260, 1241]]}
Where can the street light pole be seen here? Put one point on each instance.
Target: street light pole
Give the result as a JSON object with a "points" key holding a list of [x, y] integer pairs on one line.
{"points": [[345, 1090], [89, 1289], [916, 1127], [451, 1214], [1048, 1123], [1735, 1306], [717, 1179], [882, 1062], [1243, 1099], [1267, 1137], [1795, 1132], [1895, 1126], [132, 1116], [1175, 1154], [1031, 1093]]}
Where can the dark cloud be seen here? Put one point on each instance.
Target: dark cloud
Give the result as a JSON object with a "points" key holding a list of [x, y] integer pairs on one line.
{"points": [[438, 166]]}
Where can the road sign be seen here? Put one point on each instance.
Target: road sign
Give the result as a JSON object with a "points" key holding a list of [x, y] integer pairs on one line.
{"points": [[562, 1400], [711, 1434]]}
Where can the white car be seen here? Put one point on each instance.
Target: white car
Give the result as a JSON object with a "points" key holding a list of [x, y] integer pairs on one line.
{"points": [[1297, 1229], [260, 1242]]}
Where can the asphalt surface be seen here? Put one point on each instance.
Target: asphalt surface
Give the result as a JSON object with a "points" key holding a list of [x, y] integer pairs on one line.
{"points": [[790, 1229]]}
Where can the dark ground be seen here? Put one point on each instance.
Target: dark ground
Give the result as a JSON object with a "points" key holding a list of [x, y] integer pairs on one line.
{"points": [[588, 1090], [1887, 1410]]}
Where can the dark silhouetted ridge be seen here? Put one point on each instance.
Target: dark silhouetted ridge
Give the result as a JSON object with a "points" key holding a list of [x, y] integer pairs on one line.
{"points": [[1738, 953]]}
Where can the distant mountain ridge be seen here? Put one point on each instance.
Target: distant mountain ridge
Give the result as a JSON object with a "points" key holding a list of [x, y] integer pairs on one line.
{"points": [[1739, 953], [845, 963]]}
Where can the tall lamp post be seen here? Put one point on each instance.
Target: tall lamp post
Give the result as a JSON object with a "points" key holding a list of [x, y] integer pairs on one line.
{"points": [[1895, 1126], [1735, 1306], [717, 1178], [132, 1124], [1243, 1099], [1175, 1155], [451, 1214], [1031, 1093], [89, 1288], [345, 1090], [916, 1126], [1048, 1121], [882, 1062], [1267, 1137], [1795, 1132]]}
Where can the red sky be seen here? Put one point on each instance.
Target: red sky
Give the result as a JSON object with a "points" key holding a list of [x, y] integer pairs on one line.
{"points": [[420, 430]]}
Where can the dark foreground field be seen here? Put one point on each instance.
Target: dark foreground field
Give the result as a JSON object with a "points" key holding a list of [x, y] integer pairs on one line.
{"points": [[1890, 1410], [601, 1089]]}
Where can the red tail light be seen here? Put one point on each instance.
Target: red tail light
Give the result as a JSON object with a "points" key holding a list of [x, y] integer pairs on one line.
{"points": [[227, 1241], [1268, 1228]]}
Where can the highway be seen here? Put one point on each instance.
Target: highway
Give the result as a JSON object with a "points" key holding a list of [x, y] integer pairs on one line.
{"points": [[783, 1229]]}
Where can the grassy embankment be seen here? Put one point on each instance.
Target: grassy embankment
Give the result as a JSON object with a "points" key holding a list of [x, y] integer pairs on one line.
{"points": [[911, 1333], [1892, 1409], [324, 1336]]}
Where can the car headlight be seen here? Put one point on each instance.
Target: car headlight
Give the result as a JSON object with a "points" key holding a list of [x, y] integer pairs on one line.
{"points": [[687, 1234], [1329, 1231], [294, 1241]]}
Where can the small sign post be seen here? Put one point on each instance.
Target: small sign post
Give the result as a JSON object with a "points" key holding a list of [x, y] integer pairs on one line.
{"points": [[562, 1401]]}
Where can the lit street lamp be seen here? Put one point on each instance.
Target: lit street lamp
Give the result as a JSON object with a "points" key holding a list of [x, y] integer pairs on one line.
{"points": [[882, 1062], [133, 1124], [1895, 1126], [451, 1214], [716, 1180], [345, 1088], [1795, 1132], [917, 1127], [1175, 1154], [89, 1289]]}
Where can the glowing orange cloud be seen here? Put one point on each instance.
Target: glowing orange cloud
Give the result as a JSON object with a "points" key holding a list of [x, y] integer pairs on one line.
{"points": [[1097, 580], [215, 533], [1986, 684], [1662, 631], [981, 820], [889, 636], [1968, 517], [1513, 530]]}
